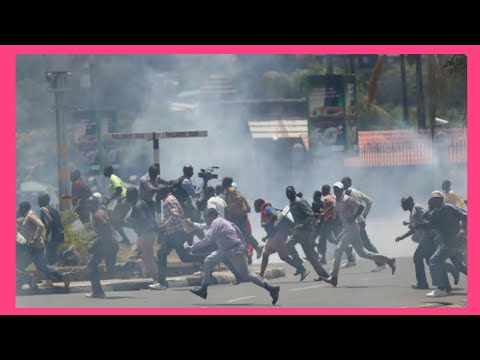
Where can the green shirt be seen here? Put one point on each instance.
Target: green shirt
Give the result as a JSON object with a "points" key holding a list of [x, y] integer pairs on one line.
{"points": [[115, 182]]}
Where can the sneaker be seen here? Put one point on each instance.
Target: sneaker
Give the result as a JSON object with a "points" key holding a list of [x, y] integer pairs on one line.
{"points": [[259, 251], [437, 293], [391, 263], [96, 295], [304, 275], [348, 264], [323, 261], [420, 287], [199, 292], [274, 293], [158, 286], [47, 284], [198, 273], [379, 268]]}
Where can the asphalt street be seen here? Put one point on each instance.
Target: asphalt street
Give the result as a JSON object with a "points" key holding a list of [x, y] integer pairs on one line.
{"points": [[358, 287]]}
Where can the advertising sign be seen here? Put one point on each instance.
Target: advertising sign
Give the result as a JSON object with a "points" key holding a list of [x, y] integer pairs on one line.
{"points": [[332, 115], [91, 152]]}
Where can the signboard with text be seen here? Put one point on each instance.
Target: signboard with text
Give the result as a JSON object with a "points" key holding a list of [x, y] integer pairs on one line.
{"points": [[90, 151], [332, 115]]}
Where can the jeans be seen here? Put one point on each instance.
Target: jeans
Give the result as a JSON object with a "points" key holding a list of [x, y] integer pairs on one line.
{"points": [[438, 267], [351, 236], [367, 244], [236, 260], [174, 241], [304, 237], [38, 259], [105, 251], [51, 251], [424, 251]]}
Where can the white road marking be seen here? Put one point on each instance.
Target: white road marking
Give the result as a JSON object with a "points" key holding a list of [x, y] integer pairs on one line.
{"points": [[306, 288], [242, 298]]}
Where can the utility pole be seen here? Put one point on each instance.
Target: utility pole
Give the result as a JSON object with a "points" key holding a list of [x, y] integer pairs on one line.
{"points": [[56, 74], [329, 64], [404, 89], [421, 122]]}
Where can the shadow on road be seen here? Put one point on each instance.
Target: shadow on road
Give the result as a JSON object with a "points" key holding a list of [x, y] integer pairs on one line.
{"points": [[239, 304]]}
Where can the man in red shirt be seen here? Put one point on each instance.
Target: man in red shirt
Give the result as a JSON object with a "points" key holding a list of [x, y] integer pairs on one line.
{"points": [[80, 193], [276, 238]]}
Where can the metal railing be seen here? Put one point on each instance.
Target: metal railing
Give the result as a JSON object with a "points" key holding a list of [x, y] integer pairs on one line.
{"points": [[408, 153]]}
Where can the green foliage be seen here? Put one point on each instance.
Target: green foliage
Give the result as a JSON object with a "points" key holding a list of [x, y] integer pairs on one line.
{"points": [[456, 65], [76, 236], [276, 85]]}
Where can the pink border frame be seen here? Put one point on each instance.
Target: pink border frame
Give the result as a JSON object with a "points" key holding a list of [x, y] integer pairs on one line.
{"points": [[7, 139]]}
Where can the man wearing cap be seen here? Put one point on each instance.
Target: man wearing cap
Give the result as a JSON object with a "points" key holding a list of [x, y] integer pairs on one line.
{"points": [[426, 246], [362, 199], [303, 233], [446, 221], [348, 209]]}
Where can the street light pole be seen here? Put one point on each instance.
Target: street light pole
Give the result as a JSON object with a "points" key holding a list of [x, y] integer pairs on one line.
{"points": [[56, 74]]}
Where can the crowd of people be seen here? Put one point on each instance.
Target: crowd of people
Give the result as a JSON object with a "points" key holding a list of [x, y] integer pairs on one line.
{"points": [[210, 225]]}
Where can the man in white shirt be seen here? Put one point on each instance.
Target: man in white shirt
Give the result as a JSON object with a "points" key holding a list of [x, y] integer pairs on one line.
{"points": [[362, 198], [215, 202]]}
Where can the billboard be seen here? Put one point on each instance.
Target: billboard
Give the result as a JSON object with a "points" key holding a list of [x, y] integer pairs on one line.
{"points": [[332, 114], [90, 151]]}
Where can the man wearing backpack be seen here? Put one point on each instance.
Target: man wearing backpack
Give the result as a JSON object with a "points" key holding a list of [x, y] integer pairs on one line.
{"points": [[184, 191], [31, 228], [236, 212], [54, 236], [276, 238]]}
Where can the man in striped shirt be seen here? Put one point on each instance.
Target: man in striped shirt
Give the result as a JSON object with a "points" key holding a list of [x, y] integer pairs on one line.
{"points": [[175, 236]]}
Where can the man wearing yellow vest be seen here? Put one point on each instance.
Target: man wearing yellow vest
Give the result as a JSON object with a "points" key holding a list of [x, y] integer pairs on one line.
{"points": [[451, 197], [121, 207]]}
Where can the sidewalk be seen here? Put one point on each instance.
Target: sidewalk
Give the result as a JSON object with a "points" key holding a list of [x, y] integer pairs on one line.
{"points": [[221, 277]]}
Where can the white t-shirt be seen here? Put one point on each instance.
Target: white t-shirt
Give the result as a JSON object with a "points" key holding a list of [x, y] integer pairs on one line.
{"points": [[217, 203]]}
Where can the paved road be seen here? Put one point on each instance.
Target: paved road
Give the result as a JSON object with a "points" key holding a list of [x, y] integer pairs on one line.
{"points": [[358, 287]]}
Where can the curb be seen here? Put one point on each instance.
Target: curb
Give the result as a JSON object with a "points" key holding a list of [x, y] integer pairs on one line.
{"points": [[223, 277]]}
